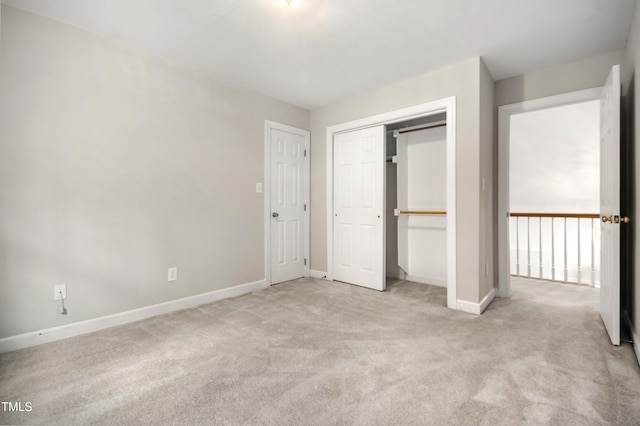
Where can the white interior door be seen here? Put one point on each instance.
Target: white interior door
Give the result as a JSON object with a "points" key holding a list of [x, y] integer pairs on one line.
{"points": [[610, 204], [287, 206], [359, 193]]}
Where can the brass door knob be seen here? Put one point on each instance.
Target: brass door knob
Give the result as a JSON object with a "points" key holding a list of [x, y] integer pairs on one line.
{"points": [[606, 219], [625, 219]]}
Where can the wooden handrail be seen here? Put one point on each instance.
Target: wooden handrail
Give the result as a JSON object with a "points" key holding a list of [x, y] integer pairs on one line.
{"points": [[567, 215]]}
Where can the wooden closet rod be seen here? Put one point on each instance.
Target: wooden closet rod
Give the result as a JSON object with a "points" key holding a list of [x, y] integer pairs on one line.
{"points": [[422, 212]]}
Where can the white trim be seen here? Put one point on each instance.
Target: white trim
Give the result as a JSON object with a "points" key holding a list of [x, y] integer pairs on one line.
{"points": [[477, 308], [47, 335], [426, 280], [268, 126], [447, 105], [634, 335], [317, 274], [504, 117]]}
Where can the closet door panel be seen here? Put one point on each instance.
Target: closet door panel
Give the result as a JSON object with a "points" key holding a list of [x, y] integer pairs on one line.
{"points": [[359, 167]]}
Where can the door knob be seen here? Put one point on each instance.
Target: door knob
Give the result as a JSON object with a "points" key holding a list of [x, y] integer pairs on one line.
{"points": [[606, 219], [275, 214], [625, 219]]}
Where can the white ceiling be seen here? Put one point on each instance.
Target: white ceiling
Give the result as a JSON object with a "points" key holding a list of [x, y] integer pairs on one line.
{"points": [[322, 51]]}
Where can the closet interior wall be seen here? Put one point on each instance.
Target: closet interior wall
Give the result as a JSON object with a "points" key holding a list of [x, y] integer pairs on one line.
{"points": [[392, 268], [416, 181]]}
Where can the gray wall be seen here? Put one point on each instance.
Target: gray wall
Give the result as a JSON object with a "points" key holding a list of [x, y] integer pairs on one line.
{"points": [[114, 166], [570, 77], [464, 81], [630, 89]]}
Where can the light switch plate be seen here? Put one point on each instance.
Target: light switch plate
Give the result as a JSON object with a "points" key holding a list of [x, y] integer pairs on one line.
{"points": [[172, 274]]}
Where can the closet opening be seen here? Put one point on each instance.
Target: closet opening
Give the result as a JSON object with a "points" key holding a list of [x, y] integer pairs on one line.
{"points": [[416, 206], [357, 215]]}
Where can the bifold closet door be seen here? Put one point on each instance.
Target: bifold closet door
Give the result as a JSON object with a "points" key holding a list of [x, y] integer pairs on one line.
{"points": [[358, 200]]}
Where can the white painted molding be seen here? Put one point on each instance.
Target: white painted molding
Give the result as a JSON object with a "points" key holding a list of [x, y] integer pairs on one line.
{"points": [[447, 105], [504, 117], [317, 274], [487, 300], [477, 308], [427, 280], [47, 335], [634, 335]]}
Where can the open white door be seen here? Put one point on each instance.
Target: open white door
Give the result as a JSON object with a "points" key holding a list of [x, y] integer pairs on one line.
{"points": [[610, 204], [287, 202], [359, 193]]}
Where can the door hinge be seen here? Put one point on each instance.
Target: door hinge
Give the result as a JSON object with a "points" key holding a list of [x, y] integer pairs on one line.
{"points": [[305, 207], [305, 262], [305, 152]]}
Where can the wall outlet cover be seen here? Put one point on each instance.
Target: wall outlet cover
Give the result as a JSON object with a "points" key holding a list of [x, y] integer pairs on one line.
{"points": [[57, 290]]}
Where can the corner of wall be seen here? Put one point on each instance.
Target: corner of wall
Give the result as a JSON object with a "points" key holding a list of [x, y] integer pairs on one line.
{"points": [[111, 220], [488, 179]]}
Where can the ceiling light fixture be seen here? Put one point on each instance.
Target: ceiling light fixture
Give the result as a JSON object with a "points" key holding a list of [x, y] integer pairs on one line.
{"points": [[291, 2]]}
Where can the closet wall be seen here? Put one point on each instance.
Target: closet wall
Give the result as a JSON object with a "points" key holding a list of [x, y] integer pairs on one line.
{"points": [[418, 180], [392, 268]]}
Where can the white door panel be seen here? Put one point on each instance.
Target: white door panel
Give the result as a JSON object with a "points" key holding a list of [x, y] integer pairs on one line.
{"points": [[359, 161], [610, 204], [287, 206]]}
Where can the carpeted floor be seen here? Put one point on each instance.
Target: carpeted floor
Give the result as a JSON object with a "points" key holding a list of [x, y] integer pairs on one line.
{"points": [[311, 352]]}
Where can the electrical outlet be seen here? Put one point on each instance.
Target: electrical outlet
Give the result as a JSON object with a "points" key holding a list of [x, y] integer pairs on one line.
{"points": [[172, 274], [59, 291], [258, 187]]}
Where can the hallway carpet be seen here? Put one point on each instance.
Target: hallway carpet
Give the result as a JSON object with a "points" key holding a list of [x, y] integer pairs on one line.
{"points": [[312, 352]]}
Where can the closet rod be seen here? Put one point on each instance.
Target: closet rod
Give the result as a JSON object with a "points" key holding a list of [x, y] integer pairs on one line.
{"points": [[415, 129], [421, 212]]}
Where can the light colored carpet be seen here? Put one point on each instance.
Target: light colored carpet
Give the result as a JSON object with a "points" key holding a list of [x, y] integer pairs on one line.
{"points": [[318, 353]]}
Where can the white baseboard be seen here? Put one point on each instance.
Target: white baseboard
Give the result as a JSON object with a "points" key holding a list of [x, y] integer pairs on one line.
{"points": [[477, 308], [427, 280], [39, 337], [634, 335], [317, 274]]}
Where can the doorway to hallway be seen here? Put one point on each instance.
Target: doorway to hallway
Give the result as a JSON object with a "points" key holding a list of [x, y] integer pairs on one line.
{"points": [[609, 197], [554, 181]]}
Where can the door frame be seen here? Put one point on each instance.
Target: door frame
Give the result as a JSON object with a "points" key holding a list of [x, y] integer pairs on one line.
{"points": [[446, 105], [268, 126], [504, 119]]}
